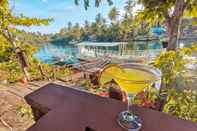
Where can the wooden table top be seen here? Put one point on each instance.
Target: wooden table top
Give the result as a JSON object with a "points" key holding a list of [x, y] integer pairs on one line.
{"points": [[74, 110]]}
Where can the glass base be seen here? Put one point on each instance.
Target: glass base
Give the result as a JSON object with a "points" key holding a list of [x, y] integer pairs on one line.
{"points": [[129, 121]]}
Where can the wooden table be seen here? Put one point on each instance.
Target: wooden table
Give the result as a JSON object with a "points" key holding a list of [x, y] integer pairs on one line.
{"points": [[69, 109]]}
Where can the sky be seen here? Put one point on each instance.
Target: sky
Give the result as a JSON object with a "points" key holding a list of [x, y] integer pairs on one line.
{"points": [[62, 11]]}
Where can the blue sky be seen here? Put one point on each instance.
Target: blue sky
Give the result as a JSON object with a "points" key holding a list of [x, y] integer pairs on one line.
{"points": [[62, 11]]}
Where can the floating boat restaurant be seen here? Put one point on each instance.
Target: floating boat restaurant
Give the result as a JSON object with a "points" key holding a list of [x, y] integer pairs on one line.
{"points": [[113, 49]]}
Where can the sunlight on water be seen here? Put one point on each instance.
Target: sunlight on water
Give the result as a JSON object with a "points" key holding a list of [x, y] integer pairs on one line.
{"points": [[69, 54], [52, 54]]}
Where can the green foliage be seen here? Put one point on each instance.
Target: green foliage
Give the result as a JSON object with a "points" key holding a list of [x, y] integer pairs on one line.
{"points": [[182, 104], [171, 63], [8, 23], [169, 12], [129, 7], [25, 111], [9, 66], [11, 70], [7, 17], [158, 11], [118, 30], [113, 14], [87, 3], [176, 83], [5, 49], [50, 72], [34, 38], [147, 98], [173, 66]]}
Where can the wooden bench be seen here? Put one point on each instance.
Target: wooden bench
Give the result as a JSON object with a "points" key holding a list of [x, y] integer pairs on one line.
{"points": [[67, 109]]}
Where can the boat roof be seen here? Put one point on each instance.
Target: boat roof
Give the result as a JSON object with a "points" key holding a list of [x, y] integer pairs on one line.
{"points": [[104, 44]]}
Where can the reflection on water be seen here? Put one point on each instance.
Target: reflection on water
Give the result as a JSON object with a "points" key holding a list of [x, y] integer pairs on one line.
{"points": [[68, 54], [53, 53]]}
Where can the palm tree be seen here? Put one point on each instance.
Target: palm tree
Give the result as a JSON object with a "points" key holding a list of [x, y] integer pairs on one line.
{"points": [[99, 19], [87, 27], [69, 26], [87, 2], [86, 31], [76, 32], [126, 27], [113, 14], [129, 7], [99, 27], [87, 24]]}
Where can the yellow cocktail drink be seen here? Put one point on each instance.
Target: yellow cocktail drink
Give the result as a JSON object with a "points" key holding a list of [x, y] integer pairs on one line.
{"points": [[134, 81], [130, 79]]}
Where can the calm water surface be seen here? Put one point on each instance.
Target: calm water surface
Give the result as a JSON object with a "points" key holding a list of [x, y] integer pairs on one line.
{"points": [[69, 54]]}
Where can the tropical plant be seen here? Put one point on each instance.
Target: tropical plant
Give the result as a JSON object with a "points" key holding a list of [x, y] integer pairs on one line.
{"points": [[10, 67], [179, 103], [127, 28], [69, 26], [76, 32], [87, 3], [99, 30], [175, 74], [168, 12], [25, 111], [129, 7], [8, 23], [113, 15], [182, 104], [173, 64]]}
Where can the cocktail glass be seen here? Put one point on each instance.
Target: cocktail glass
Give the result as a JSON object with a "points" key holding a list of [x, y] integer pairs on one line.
{"points": [[132, 78]]}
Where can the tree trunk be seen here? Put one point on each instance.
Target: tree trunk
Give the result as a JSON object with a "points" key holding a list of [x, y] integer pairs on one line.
{"points": [[173, 24], [172, 34], [21, 57], [12, 41]]}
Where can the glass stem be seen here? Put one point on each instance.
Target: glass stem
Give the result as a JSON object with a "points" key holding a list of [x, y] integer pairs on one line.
{"points": [[130, 98]]}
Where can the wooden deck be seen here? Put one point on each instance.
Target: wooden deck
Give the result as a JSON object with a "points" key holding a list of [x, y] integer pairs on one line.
{"points": [[12, 98], [22, 90]]}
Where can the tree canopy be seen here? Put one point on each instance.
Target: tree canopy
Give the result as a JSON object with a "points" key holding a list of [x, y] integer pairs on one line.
{"points": [[87, 3], [8, 24], [99, 30], [8, 21], [113, 14], [169, 12]]}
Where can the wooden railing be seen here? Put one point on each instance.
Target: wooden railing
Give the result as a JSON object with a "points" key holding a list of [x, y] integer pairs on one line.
{"points": [[68, 109]]}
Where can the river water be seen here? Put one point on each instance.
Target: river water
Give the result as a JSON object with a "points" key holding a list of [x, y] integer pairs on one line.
{"points": [[68, 54]]}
